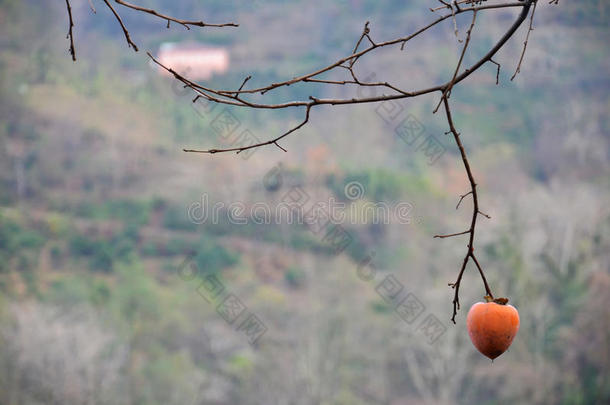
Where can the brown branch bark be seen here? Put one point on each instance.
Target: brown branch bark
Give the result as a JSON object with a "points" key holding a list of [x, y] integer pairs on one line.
{"points": [[341, 62], [239, 97], [70, 34], [184, 23], [236, 97], [125, 32], [473, 223], [527, 37], [130, 43], [447, 91]]}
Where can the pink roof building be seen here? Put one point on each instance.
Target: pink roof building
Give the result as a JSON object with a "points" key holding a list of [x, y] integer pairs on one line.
{"points": [[195, 61]]}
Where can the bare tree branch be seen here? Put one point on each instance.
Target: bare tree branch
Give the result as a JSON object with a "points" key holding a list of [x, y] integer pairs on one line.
{"points": [[273, 141], [130, 43], [497, 71], [70, 34], [452, 234], [356, 55], [447, 91], [184, 23], [462, 197], [125, 32], [473, 223], [527, 37], [236, 97], [242, 97]]}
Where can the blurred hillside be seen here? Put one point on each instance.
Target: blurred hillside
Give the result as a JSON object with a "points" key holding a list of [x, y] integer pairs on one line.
{"points": [[96, 242]]}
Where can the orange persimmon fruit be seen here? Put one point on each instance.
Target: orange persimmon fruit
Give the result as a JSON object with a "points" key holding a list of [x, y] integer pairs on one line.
{"points": [[492, 326]]}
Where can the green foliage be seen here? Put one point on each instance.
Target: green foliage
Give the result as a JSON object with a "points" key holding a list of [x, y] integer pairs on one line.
{"points": [[132, 212], [176, 218], [129, 211], [241, 365], [149, 249], [381, 307], [379, 184], [70, 290], [100, 293], [16, 240], [136, 295], [177, 246], [211, 257], [104, 253], [295, 277], [15, 237]]}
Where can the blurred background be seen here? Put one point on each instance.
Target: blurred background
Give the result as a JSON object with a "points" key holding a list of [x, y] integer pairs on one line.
{"points": [[118, 285]]}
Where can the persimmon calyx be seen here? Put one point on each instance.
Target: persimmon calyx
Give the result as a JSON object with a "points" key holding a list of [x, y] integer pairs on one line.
{"points": [[500, 301]]}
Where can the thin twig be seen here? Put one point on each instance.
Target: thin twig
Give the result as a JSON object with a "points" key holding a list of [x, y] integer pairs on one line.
{"points": [[484, 214], [452, 234], [447, 91], [473, 223], [125, 32], [462, 196], [497, 71], [240, 149], [244, 82], [476, 262], [527, 37], [455, 28], [365, 32], [70, 34], [184, 23]]}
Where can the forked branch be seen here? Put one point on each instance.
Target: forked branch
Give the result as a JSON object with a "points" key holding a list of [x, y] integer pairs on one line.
{"points": [[117, 16], [242, 97], [473, 223]]}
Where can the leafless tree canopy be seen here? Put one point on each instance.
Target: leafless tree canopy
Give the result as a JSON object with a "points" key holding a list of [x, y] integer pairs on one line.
{"points": [[365, 46]]}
